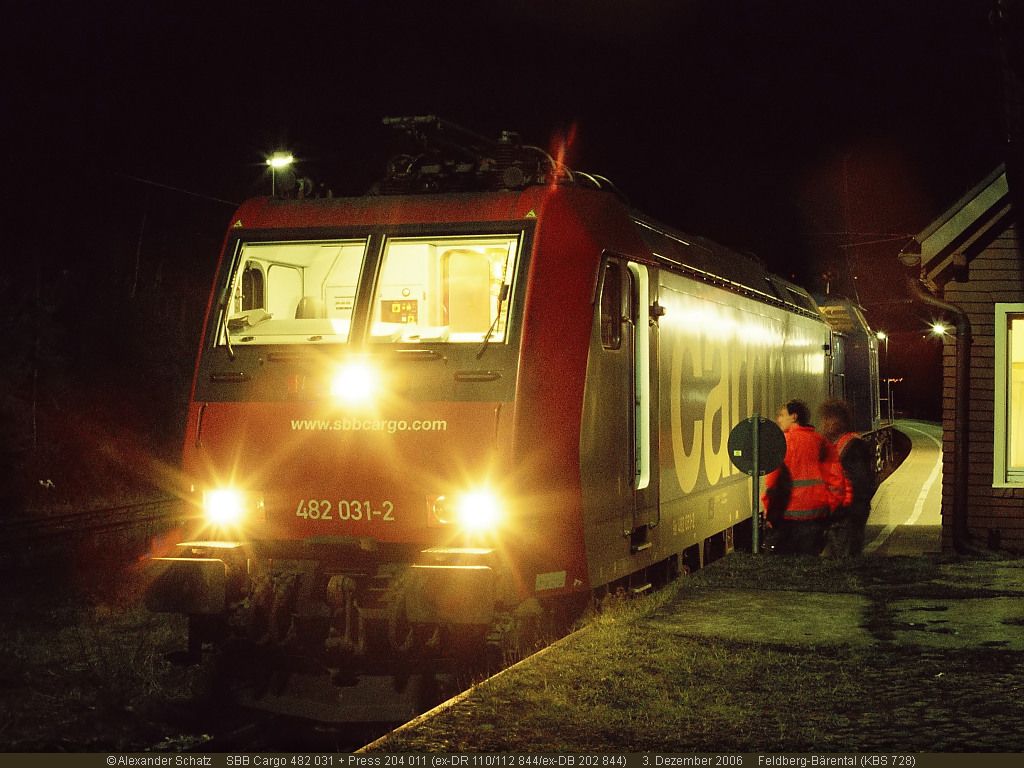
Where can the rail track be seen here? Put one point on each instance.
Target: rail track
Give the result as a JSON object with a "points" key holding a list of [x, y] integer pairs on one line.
{"points": [[128, 524]]}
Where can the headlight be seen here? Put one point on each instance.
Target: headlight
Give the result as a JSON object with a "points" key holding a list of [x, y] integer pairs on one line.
{"points": [[224, 506], [479, 510], [355, 383], [473, 511]]}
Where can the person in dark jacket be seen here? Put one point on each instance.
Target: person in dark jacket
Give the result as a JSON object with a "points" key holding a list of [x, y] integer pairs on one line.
{"points": [[844, 536]]}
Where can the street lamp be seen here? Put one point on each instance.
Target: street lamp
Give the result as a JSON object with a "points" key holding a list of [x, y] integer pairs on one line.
{"points": [[883, 337], [278, 161], [939, 328]]}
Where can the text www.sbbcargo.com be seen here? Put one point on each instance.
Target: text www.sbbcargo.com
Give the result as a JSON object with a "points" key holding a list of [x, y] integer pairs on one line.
{"points": [[391, 426]]}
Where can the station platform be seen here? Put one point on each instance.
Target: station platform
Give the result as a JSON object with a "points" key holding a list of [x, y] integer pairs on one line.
{"points": [[901, 650], [906, 509]]}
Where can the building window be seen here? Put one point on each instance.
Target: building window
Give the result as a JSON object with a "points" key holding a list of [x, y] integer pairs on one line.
{"points": [[1008, 450]]}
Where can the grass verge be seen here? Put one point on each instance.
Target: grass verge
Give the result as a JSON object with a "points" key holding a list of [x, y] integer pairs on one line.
{"points": [[624, 684]]}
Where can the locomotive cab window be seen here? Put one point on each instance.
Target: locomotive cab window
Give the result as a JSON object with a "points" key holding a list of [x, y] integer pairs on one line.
{"points": [[444, 289], [292, 292], [611, 306]]}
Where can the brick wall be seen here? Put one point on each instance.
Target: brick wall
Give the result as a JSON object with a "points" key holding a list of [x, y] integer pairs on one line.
{"points": [[995, 515]]}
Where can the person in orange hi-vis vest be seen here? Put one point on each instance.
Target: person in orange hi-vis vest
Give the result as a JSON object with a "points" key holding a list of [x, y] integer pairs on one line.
{"points": [[844, 536], [800, 495]]}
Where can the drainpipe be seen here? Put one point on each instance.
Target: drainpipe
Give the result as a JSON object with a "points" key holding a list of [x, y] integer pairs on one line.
{"points": [[961, 423]]}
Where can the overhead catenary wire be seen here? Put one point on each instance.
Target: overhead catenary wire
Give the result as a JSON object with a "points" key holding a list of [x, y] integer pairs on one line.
{"points": [[179, 190], [894, 239]]}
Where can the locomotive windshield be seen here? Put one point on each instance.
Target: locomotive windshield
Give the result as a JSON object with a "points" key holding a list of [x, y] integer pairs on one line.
{"points": [[450, 289], [291, 293], [443, 289]]}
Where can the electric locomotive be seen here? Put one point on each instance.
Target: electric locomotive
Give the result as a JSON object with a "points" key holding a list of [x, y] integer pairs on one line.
{"points": [[421, 416]]}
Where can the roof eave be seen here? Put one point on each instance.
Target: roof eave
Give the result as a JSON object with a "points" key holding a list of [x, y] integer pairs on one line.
{"points": [[963, 219]]}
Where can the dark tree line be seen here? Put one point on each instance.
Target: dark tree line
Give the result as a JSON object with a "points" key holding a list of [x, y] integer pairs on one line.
{"points": [[102, 303]]}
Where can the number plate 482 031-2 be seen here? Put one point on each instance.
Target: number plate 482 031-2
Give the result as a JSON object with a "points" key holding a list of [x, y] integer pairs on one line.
{"points": [[354, 510]]}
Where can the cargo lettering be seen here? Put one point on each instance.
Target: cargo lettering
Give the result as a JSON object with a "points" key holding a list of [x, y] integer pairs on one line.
{"points": [[716, 458], [711, 390]]}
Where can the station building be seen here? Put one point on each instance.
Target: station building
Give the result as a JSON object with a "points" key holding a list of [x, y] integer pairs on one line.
{"points": [[970, 259]]}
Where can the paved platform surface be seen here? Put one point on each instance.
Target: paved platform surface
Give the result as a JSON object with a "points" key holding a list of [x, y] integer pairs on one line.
{"points": [[918, 619], [963, 605], [905, 511]]}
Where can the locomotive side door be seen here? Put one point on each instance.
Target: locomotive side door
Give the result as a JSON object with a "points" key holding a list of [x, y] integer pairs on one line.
{"points": [[836, 360], [643, 401], [618, 385], [618, 449], [629, 345]]}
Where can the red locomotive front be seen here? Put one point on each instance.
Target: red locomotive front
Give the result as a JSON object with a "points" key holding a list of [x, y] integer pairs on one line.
{"points": [[357, 453]]}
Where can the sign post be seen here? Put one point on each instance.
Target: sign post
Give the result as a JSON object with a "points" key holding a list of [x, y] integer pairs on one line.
{"points": [[756, 447]]}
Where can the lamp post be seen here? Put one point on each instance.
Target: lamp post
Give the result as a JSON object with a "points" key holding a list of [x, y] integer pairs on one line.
{"points": [[278, 162], [883, 337]]}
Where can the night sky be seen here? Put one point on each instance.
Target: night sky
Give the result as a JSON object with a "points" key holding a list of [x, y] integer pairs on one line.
{"points": [[757, 122], [819, 135]]}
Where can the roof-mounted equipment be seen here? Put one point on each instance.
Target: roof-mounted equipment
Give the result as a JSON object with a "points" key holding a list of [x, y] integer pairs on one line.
{"points": [[439, 156]]}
